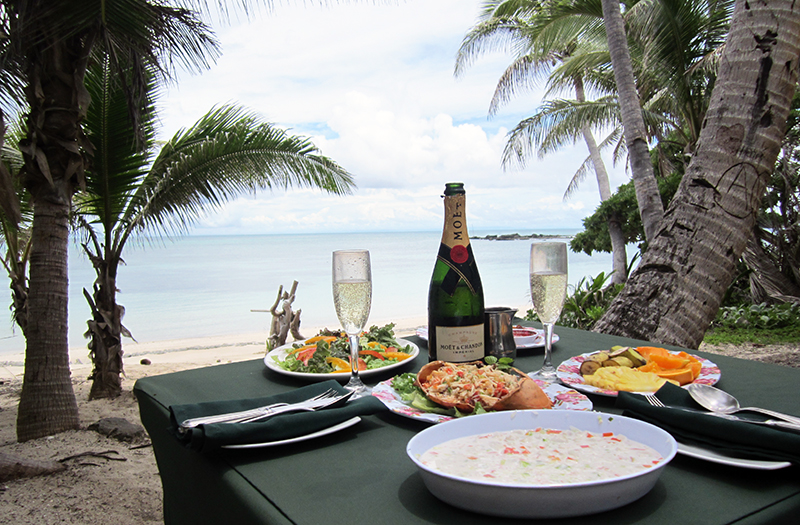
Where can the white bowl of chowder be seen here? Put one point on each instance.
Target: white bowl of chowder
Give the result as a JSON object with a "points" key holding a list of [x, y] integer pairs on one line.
{"points": [[541, 463]]}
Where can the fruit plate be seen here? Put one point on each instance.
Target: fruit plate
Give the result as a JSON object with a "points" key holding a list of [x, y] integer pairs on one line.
{"points": [[487, 496], [562, 397], [568, 373], [280, 354], [524, 337]]}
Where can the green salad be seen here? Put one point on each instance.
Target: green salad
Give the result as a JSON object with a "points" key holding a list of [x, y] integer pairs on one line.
{"points": [[329, 352]]}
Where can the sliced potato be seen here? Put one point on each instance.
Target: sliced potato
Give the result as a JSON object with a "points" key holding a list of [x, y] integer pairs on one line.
{"points": [[623, 361], [589, 367]]}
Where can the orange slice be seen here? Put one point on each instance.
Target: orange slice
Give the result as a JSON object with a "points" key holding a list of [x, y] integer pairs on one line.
{"points": [[682, 376], [668, 362], [695, 366], [646, 351], [651, 366]]}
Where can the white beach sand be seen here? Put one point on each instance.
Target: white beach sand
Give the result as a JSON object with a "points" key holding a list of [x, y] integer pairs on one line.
{"points": [[182, 354], [95, 490]]}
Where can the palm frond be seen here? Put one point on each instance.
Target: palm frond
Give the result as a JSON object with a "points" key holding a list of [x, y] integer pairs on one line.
{"points": [[525, 72], [119, 162], [579, 176], [226, 153], [497, 34], [557, 123]]}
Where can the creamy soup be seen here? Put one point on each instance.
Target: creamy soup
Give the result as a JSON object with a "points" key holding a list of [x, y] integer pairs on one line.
{"points": [[541, 456]]}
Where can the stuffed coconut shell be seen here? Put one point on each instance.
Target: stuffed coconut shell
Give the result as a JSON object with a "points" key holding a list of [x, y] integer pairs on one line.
{"points": [[513, 389]]}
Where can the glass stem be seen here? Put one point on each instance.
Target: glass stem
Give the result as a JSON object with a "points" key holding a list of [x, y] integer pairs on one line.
{"points": [[354, 359], [355, 384], [547, 368]]}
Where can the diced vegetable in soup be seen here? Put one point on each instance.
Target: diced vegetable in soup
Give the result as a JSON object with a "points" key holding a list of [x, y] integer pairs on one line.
{"points": [[541, 456]]}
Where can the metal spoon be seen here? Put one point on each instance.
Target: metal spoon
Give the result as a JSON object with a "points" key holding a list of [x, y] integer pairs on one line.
{"points": [[716, 400]]}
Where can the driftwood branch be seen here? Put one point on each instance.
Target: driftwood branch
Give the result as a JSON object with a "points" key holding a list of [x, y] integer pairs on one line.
{"points": [[284, 320], [105, 454], [13, 467]]}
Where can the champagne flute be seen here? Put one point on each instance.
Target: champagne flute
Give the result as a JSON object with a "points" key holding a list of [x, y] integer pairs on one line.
{"points": [[548, 290], [352, 297]]}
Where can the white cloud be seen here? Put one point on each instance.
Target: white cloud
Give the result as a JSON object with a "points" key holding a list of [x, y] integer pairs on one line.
{"points": [[373, 86]]}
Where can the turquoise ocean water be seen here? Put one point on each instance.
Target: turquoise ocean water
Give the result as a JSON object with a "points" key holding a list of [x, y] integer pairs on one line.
{"points": [[198, 286]]}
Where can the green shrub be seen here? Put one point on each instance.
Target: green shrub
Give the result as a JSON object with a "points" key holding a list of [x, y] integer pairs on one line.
{"points": [[587, 303], [763, 316], [759, 324]]}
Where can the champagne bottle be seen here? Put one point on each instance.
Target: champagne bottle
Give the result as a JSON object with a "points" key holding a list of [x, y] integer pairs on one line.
{"points": [[455, 297]]}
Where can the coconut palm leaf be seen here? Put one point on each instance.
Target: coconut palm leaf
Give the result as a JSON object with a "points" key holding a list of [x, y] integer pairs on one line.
{"points": [[557, 123], [227, 152], [131, 188]]}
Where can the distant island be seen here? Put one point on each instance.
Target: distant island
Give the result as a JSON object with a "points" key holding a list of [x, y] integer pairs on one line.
{"points": [[518, 237]]}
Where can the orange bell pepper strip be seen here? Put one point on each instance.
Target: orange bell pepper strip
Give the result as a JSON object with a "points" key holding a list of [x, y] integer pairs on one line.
{"points": [[400, 356], [344, 366], [328, 338], [340, 364], [301, 348]]}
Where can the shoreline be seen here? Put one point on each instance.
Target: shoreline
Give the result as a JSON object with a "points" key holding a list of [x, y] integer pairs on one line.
{"points": [[158, 357], [172, 355]]}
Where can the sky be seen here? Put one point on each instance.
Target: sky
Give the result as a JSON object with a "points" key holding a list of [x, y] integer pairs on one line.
{"points": [[372, 85]]}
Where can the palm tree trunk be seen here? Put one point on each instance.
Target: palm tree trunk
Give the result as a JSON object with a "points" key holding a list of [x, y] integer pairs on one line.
{"points": [[675, 293], [619, 256], [47, 403], [105, 327], [618, 250], [651, 208], [53, 163]]}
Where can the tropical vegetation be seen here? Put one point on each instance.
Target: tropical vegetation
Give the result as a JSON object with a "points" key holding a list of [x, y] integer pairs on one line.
{"points": [[46, 50], [672, 45], [541, 46], [136, 185], [693, 253], [680, 70]]}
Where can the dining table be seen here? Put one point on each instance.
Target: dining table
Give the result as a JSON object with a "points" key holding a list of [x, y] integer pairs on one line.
{"points": [[362, 474]]}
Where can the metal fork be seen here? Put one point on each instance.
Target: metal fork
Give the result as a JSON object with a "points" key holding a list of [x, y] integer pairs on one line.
{"points": [[653, 400], [308, 406], [235, 417]]}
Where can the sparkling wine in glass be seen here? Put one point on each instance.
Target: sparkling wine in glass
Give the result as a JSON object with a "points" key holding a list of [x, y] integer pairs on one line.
{"points": [[548, 290], [352, 297]]}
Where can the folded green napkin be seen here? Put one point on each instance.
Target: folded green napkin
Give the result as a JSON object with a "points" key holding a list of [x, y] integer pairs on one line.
{"points": [[209, 438], [735, 438]]}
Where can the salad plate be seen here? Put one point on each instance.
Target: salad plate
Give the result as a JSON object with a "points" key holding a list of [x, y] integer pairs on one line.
{"points": [[568, 373], [319, 433], [524, 337], [563, 398], [279, 354]]}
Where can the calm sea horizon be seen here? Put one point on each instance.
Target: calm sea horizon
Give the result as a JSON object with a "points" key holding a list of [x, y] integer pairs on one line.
{"points": [[201, 286]]}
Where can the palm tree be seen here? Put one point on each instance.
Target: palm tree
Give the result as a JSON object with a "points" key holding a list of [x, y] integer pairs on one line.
{"points": [[15, 220], [676, 291], [132, 189], [651, 208], [48, 47], [671, 42], [542, 45]]}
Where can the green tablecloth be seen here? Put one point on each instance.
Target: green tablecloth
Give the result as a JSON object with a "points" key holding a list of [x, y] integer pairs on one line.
{"points": [[362, 474]]}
